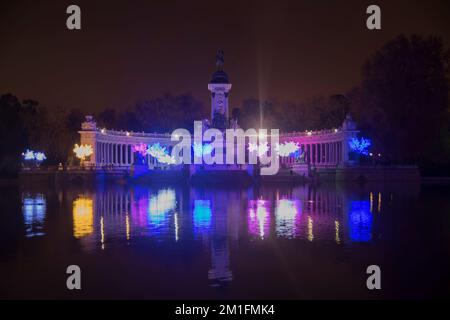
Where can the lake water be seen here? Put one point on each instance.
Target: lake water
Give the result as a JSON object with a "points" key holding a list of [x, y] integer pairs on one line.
{"points": [[265, 242]]}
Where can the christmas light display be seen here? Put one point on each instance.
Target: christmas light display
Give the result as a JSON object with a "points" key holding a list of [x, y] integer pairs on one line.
{"points": [[28, 155], [32, 155], [261, 148], [160, 153], [141, 148], [39, 156], [200, 149], [360, 146], [83, 151], [287, 148]]}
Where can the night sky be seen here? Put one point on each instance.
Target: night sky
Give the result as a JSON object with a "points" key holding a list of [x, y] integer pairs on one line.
{"points": [[133, 50]]}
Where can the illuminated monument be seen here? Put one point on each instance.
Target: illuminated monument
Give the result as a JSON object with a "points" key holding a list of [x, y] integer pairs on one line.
{"points": [[325, 150], [220, 89]]}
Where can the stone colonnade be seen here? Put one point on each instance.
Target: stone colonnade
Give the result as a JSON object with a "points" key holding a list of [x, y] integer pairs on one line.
{"points": [[320, 153], [325, 148], [118, 154]]}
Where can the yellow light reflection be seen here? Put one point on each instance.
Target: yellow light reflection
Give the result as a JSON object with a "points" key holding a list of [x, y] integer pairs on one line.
{"points": [[336, 236], [102, 232], [371, 202], [127, 226], [379, 201], [83, 217], [310, 229]]}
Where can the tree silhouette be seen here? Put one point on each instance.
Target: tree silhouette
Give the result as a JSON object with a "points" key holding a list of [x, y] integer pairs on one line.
{"points": [[403, 99]]}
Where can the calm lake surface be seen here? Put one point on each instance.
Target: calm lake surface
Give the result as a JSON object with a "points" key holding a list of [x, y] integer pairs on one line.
{"points": [[265, 242]]}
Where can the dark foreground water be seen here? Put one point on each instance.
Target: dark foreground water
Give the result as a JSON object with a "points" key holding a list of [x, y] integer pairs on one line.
{"points": [[267, 242]]}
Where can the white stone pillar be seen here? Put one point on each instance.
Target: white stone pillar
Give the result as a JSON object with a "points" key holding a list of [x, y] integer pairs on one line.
{"points": [[317, 153], [130, 155], [120, 155], [125, 148], [339, 152], [113, 154], [332, 153], [328, 153], [117, 154], [335, 153], [116, 158], [308, 153], [314, 153]]}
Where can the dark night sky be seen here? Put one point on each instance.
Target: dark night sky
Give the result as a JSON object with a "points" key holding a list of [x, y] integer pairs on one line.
{"points": [[132, 50]]}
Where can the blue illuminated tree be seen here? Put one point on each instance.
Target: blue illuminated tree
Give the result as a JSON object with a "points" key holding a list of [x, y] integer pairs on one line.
{"points": [[359, 147]]}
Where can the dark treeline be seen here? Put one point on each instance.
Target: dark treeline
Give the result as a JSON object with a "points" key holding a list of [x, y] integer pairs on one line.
{"points": [[402, 104]]}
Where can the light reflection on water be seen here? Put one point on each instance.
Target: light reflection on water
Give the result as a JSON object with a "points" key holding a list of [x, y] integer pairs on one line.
{"points": [[34, 208], [122, 214], [107, 218], [264, 242]]}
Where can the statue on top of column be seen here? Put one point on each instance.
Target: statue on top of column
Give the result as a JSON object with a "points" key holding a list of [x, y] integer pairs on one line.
{"points": [[219, 60]]}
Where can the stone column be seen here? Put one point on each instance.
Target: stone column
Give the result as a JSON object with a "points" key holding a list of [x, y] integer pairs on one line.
{"points": [[335, 153], [308, 154], [339, 152], [332, 152], [129, 154], [318, 153], [116, 161], [119, 159], [328, 153], [315, 153], [117, 154], [111, 161], [123, 155], [126, 153]]}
